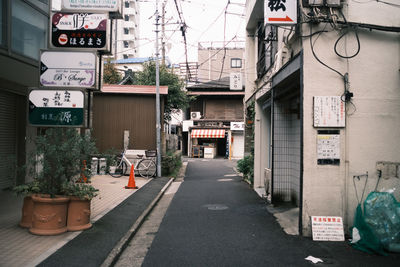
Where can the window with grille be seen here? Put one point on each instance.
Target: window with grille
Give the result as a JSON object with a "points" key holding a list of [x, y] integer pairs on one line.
{"points": [[126, 44], [126, 30]]}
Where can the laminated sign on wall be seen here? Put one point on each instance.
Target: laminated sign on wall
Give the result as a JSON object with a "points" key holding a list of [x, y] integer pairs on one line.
{"points": [[329, 111]]}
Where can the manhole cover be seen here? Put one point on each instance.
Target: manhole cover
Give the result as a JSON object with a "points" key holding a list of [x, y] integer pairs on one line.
{"points": [[216, 207]]}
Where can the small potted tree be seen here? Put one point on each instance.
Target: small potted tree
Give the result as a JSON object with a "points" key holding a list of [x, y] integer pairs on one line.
{"points": [[79, 210], [58, 159], [27, 190]]}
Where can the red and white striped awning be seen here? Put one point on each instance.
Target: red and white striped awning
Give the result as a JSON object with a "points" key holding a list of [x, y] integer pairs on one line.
{"points": [[208, 133]]}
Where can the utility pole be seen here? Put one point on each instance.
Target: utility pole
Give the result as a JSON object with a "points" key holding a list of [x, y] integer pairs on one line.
{"points": [[158, 121], [163, 32]]}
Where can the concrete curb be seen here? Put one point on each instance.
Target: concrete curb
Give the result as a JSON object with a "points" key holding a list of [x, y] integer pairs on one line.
{"points": [[116, 252]]}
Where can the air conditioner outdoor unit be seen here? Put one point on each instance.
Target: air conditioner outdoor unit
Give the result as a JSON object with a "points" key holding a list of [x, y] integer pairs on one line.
{"points": [[195, 115]]}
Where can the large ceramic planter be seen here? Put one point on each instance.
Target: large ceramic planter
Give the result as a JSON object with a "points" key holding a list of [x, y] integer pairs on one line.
{"points": [[27, 211], [49, 215], [78, 214]]}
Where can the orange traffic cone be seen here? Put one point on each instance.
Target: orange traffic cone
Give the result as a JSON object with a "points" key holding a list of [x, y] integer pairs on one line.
{"points": [[131, 182]]}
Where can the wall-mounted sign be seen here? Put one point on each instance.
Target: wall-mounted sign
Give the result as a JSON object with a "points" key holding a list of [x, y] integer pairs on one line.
{"points": [[236, 81], [328, 147], [280, 11], [186, 125], [68, 69], [237, 126], [329, 111], [91, 5], [56, 108], [79, 30], [327, 228]]}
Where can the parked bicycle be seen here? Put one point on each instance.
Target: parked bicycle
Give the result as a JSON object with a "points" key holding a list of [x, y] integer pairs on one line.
{"points": [[146, 167]]}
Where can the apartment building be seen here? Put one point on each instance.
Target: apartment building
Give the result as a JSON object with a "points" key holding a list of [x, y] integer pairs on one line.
{"points": [[126, 32]]}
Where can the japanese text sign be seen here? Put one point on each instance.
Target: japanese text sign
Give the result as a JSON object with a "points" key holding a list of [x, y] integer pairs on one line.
{"points": [[79, 30], [235, 82], [68, 69], [237, 126], [280, 11], [329, 111], [91, 5], [327, 228], [56, 108]]}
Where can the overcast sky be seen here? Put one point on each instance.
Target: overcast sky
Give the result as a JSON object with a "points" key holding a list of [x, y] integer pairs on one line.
{"points": [[205, 22]]}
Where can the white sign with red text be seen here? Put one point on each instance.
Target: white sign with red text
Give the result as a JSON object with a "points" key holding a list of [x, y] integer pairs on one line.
{"points": [[327, 228], [280, 12]]}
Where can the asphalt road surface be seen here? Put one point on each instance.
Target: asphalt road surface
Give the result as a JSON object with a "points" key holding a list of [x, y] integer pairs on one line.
{"points": [[216, 219]]}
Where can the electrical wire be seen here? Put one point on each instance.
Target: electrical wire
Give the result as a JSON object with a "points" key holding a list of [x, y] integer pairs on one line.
{"points": [[358, 44], [223, 58], [316, 57]]}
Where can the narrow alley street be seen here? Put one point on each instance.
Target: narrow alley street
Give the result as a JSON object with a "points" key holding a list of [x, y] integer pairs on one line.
{"points": [[215, 219]]}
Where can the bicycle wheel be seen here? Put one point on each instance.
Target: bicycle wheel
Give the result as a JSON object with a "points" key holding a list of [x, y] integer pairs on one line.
{"points": [[146, 168], [119, 170]]}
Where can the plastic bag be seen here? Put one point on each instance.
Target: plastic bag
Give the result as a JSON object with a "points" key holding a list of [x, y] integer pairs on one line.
{"points": [[382, 214], [363, 237]]}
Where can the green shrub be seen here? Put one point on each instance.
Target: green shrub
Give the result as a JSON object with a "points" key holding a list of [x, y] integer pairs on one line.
{"points": [[246, 166]]}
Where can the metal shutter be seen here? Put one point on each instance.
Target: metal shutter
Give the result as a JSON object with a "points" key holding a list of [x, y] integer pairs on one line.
{"points": [[7, 139]]}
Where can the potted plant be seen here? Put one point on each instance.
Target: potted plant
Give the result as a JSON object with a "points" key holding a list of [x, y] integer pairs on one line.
{"points": [[58, 156], [79, 210], [27, 190]]}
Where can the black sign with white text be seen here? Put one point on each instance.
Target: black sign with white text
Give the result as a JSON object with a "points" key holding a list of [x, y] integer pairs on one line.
{"points": [[79, 30]]}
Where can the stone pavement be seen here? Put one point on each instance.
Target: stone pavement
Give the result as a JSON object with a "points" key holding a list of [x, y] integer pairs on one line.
{"points": [[20, 248]]}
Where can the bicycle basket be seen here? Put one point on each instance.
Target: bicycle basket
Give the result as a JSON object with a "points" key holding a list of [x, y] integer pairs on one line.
{"points": [[151, 153]]}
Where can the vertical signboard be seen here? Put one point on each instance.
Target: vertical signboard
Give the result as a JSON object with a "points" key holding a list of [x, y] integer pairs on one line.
{"points": [[236, 81], [79, 30], [56, 108], [68, 69], [280, 12]]}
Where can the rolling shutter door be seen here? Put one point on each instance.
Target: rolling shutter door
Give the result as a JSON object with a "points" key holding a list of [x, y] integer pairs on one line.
{"points": [[7, 139]]}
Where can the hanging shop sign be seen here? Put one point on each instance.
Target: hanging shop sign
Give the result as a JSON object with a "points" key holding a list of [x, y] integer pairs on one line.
{"points": [[79, 30], [91, 5], [68, 69], [56, 108], [235, 82], [280, 12]]}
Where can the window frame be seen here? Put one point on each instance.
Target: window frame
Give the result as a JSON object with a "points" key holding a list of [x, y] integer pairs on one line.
{"points": [[236, 60]]}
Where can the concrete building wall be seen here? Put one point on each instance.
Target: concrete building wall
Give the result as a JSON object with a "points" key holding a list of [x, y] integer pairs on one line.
{"points": [[373, 117], [215, 63]]}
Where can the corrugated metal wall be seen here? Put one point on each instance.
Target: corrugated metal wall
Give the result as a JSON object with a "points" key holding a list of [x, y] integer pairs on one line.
{"points": [[115, 113], [8, 139]]}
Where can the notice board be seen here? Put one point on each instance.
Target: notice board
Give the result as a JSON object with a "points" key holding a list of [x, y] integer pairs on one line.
{"points": [[329, 111], [327, 228]]}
